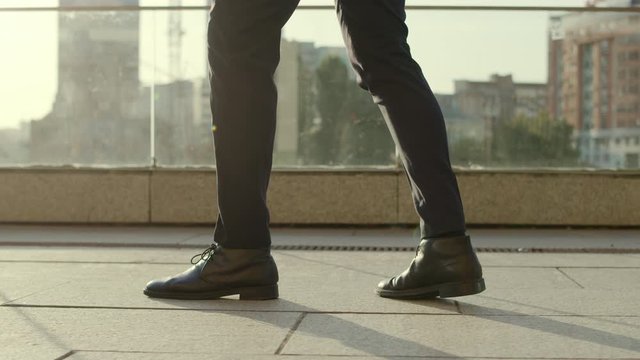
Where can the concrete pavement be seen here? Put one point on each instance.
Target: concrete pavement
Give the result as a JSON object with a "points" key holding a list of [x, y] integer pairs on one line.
{"points": [[85, 302]]}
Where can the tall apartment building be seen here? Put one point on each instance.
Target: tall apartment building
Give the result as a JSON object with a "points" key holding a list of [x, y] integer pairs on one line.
{"points": [[594, 82], [98, 115], [486, 103], [476, 108], [501, 97]]}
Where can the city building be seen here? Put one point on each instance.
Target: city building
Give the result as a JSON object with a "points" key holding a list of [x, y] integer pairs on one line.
{"points": [[298, 61], [476, 108], [594, 82], [500, 98], [98, 115]]}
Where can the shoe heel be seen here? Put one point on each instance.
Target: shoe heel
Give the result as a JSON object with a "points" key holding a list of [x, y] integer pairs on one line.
{"points": [[462, 289], [259, 293]]}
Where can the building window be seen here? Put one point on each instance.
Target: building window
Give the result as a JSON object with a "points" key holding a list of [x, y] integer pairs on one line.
{"points": [[632, 160]]}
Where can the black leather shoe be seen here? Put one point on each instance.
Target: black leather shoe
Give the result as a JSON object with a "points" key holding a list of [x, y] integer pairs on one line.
{"points": [[443, 267], [250, 273]]}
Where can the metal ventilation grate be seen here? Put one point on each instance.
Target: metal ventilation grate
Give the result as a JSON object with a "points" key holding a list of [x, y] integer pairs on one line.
{"points": [[332, 248], [480, 249]]}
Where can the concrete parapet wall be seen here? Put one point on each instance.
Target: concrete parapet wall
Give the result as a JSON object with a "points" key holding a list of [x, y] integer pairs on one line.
{"points": [[315, 197]]}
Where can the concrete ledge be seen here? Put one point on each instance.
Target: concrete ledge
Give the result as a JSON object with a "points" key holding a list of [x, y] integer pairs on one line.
{"points": [[334, 198], [546, 198], [74, 196], [315, 197], [183, 197]]}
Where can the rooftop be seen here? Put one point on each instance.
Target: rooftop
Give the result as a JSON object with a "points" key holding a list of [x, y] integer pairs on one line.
{"points": [[75, 293]]}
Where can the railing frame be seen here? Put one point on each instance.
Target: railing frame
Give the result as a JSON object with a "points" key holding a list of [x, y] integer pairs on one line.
{"points": [[330, 7], [391, 167]]}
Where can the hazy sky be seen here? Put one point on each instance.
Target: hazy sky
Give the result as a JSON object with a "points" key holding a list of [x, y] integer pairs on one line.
{"points": [[449, 45]]}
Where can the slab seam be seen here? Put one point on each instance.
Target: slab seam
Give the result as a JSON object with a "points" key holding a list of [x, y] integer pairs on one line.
{"points": [[8, 303], [445, 357], [144, 262], [95, 307], [569, 277], [84, 307], [290, 333], [78, 351]]}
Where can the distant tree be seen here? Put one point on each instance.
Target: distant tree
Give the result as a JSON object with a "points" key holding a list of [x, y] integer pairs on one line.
{"points": [[306, 114], [349, 128], [332, 90], [467, 151], [367, 139], [537, 141]]}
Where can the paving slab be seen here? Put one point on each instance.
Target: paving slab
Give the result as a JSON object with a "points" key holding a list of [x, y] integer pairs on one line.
{"points": [[29, 254], [388, 236], [319, 281], [621, 279], [98, 234], [384, 264], [20, 280], [400, 237], [303, 286], [557, 238], [560, 260], [21, 337], [100, 355], [466, 336], [195, 332], [182, 256], [398, 259], [586, 302], [120, 355]]}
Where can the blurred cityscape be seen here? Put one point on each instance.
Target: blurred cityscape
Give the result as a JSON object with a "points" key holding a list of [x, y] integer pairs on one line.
{"points": [[586, 115]]}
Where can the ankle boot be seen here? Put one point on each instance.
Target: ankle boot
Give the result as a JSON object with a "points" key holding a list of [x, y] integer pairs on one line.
{"points": [[442, 267], [218, 272]]}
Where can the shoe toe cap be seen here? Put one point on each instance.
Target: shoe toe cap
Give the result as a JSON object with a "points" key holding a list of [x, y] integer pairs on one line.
{"points": [[155, 285], [385, 284]]}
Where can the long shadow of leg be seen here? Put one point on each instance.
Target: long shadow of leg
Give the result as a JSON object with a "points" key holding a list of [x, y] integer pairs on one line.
{"points": [[554, 311], [364, 340], [553, 326], [33, 323]]}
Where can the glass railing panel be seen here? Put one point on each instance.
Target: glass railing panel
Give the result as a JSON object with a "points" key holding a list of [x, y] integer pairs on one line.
{"points": [[519, 89], [534, 89], [71, 92], [506, 83], [324, 118], [182, 116]]}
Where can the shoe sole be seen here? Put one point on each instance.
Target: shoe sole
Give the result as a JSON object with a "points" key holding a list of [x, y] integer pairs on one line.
{"points": [[248, 293], [441, 290]]}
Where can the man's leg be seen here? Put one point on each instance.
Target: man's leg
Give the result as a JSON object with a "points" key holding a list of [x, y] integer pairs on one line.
{"points": [[244, 51], [376, 37]]}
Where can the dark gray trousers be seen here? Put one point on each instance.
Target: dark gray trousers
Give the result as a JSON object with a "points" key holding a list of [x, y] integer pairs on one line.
{"points": [[244, 41]]}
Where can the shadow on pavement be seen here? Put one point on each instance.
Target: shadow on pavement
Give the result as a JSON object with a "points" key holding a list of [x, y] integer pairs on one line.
{"points": [[56, 341], [352, 335], [553, 326]]}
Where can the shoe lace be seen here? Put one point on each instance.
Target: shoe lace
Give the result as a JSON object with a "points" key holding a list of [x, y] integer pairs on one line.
{"points": [[205, 255]]}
